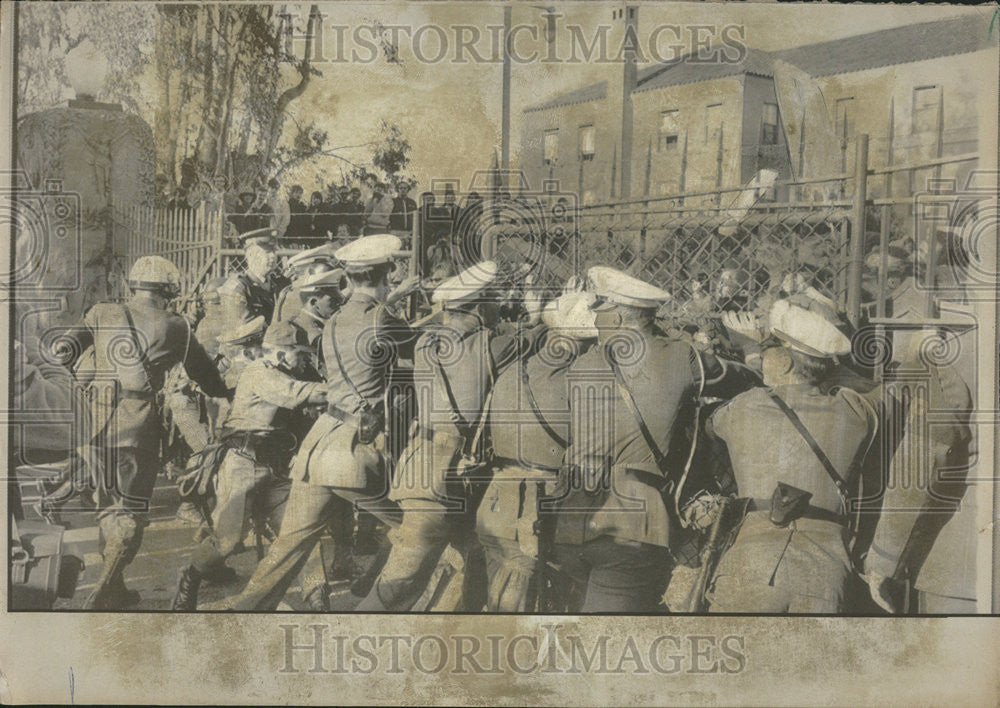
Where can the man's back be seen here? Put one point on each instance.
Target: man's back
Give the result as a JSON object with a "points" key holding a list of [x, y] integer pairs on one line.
{"points": [[765, 448]]}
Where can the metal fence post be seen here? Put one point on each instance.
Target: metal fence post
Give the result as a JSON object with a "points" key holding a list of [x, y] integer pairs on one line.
{"points": [[857, 251]]}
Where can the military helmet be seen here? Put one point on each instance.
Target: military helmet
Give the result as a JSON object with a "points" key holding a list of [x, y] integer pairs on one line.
{"points": [[155, 273]]}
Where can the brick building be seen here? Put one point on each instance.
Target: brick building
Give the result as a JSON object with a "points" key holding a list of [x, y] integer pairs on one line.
{"points": [[687, 126]]}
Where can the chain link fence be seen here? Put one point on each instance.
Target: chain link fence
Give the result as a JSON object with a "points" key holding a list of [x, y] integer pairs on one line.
{"points": [[708, 257]]}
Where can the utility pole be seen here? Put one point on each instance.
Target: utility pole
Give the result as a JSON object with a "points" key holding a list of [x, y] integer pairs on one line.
{"points": [[505, 118]]}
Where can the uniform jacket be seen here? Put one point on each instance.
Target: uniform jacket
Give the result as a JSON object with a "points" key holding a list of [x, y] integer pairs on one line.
{"points": [[164, 339], [927, 532], [368, 339], [764, 447], [262, 393], [465, 358], [516, 428], [244, 298], [661, 375], [309, 330]]}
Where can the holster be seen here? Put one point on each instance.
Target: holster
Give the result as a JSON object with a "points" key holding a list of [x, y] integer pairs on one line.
{"points": [[369, 422], [788, 503]]}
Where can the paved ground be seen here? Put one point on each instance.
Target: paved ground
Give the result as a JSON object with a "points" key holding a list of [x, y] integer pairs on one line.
{"points": [[154, 572]]}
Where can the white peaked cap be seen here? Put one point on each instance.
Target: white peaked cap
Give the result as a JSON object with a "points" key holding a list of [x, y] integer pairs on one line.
{"points": [[805, 331], [467, 284], [621, 288], [368, 251], [572, 315]]}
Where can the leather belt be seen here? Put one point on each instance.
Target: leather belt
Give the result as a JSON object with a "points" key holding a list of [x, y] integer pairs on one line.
{"points": [[541, 470], [812, 512], [343, 416]]}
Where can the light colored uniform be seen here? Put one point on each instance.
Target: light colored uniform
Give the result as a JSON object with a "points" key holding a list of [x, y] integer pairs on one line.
{"points": [[803, 567], [253, 471], [331, 468]]}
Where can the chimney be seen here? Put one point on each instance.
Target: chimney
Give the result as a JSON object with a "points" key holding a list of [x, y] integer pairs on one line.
{"points": [[625, 39]]}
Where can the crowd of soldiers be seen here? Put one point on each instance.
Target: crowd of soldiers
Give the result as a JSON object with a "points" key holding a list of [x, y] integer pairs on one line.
{"points": [[508, 448]]}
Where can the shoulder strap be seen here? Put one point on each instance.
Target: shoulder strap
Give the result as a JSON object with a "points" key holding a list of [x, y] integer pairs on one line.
{"points": [[138, 347], [793, 417], [626, 395], [534, 407], [447, 387], [340, 363]]}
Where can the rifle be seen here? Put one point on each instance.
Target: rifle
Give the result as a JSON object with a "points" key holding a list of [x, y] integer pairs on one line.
{"points": [[716, 544]]}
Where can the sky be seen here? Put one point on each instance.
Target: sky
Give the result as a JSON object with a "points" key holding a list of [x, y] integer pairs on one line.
{"points": [[450, 110]]}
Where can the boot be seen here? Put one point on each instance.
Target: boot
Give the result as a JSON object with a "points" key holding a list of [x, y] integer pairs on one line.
{"points": [[318, 600], [363, 585], [111, 585], [121, 596], [186, 599], [189, 513]]}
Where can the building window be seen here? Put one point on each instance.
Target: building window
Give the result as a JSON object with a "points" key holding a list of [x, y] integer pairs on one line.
{"points": [[587, 142], [550, 145], [926, 104], [713, 122], [769, 125], [669, 130], [844, 120]]}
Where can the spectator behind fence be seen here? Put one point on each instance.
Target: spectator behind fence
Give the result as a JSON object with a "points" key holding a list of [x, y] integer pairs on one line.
{"points": [[317, 216], [378, 210], [241, 218], [179, 200], [341, 211], [403, 209], [299, 222], [354, 213]]}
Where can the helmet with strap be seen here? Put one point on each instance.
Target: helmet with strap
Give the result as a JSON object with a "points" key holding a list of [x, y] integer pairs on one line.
{"points": [[155, 273]]}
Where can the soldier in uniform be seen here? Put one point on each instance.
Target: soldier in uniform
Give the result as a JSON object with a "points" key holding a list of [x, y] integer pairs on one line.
{"points": [[322, 295], [458, 359], [139, 342], [214, 321], [796, 449], [923, 555], [302, 265], [340, 462], [528, 453], [254, 472], [612, 527], [240, 347], [251, 293]]}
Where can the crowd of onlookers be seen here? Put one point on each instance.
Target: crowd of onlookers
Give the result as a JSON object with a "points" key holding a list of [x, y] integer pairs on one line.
{"points": [[451, 232], [337, 212]]}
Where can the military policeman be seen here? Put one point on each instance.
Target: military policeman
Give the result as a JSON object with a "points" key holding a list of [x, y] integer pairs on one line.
{"points": [[795, 449], [322, 295], [253, 476], [923, 554], [302, 265], [455, 363], [340, 461], [138, 341], [252, 293], [529, 428], [612, 527]]}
